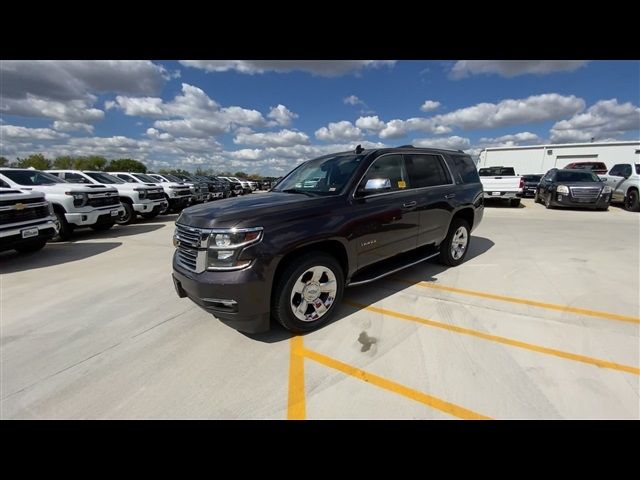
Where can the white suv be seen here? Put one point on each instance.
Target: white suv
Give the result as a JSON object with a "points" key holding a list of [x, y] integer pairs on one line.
{"points": [[74, 205], [135, 198], [178, 195]]}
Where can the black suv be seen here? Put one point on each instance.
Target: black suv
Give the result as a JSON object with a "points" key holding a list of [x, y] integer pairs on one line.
{"points": [[339, 220]]}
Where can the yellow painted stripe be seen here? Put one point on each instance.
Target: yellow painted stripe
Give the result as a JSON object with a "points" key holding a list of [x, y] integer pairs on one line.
{"points": [[296, 409], [447, 407], [503, 340], [524, 301]]}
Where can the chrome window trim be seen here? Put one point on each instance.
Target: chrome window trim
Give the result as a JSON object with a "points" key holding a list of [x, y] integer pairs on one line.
{"points": [[353, 192]]}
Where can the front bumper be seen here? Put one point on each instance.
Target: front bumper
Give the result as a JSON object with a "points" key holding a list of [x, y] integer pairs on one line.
{"points": [[91, 217], [12, 236], [560, 200], [148, 207], [238, 298]]}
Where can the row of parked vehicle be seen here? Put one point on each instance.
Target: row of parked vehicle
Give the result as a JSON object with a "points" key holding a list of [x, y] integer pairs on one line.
{"points": [[37, 206], [580, 184]]}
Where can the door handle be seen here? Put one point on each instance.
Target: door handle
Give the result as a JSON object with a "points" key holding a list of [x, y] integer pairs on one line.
{"points": [[409, 204], [450, 195]]}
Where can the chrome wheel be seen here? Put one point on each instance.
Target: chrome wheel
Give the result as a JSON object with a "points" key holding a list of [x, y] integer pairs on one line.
{"points": [[313, 293], [459, 243]]}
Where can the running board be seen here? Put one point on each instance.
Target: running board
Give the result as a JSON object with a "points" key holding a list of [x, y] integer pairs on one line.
{"points": [[364, 281]]}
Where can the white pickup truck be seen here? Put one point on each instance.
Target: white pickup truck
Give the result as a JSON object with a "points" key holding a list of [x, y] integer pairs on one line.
{"points": [[26, 220], [135, 198], [177, 194], [502, 183], [74, 205], [624, 180]]}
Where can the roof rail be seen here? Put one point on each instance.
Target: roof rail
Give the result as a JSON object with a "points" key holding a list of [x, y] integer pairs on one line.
{"points": [[406, 146]]}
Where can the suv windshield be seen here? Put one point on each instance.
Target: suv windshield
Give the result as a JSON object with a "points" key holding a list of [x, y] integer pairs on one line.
{"points": [[495, 171], [31, 177], [577, 176], [104, 177], [144, 178], [324, 175]]}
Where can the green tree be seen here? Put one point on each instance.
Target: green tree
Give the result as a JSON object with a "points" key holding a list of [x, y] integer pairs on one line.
{"points": [[255, 176], [36, 160], [240, 175], [65, 162], [92, 162], [126, 165], [203, 171], [4, 162]]}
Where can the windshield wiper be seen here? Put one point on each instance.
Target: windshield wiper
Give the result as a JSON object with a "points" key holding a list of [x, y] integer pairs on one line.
{"points": [[295, 190]]}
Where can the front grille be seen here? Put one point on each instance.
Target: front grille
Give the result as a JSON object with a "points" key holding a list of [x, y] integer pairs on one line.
{"points": [[585, 193], [188, 258], [182, 193], [34, 213], [26, 201], [103, 201], [155, 196], [188, 236]]}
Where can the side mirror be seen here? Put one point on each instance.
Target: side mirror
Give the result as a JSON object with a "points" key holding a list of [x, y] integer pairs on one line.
{"points": [[375, 184]]}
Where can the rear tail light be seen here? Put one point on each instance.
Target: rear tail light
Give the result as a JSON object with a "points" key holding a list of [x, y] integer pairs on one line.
{"points": [[521, 183]]}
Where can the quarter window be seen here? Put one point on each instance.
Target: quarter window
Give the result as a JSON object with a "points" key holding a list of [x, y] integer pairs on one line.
{"points": [[426, 171], [465, 168]]}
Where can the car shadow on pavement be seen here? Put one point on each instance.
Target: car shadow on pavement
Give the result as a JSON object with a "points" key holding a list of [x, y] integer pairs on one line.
{"points": [[423, 272], [496, 203], [116, 231], [52, 254]]}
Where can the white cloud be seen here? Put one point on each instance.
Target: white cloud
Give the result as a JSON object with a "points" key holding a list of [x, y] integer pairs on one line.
{"points": [[194, 127], [246, 154], [72, 126], [521, 138], [154, 133], [605, 119], [68, 111], [137, 106], [339, 131], [281, 115], [371, 124], [429, 105], [512, 68], [453, 142], [325, 68], [537, 108], [283, 138], [352, 100], [26, 133]]}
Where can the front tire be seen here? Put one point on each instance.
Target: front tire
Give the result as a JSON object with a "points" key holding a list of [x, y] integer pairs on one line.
{"points": [[128, 216], [547, 202], [31, 246], [308, 293], [455, 246], [536, 197], [631, 201], [65, 230], [165, 210]]}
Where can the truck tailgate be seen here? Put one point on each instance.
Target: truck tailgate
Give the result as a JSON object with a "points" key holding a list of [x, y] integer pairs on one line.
{"points": [[501, 184]]}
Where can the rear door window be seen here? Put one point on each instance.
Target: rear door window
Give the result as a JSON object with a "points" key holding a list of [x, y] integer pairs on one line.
{"points": [[426, 171]]}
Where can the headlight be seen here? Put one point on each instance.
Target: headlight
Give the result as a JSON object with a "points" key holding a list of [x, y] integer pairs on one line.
{"points": [[606, 189], [142, 193], [79, 199], [226, 246], [562, 189]]}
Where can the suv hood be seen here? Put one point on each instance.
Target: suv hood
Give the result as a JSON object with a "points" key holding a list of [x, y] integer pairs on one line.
{"points": [[248, 211]]}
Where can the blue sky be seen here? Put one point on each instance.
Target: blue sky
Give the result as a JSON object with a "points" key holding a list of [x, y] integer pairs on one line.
{"points": [[266, 116]]}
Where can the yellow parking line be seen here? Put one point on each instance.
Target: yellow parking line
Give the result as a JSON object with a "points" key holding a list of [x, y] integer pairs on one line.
{"points": [[447, 407], [503, 340], [296, 409], [523, 301]]}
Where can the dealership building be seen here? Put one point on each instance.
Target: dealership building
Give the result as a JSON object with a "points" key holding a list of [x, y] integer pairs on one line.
{"points": [[541, 158]]}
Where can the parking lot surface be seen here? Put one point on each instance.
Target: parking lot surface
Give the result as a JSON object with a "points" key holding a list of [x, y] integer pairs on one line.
{"points": [[540, 322]]}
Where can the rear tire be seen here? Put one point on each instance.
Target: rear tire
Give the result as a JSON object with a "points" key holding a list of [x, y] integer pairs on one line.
{"points": [[301, 275], [128, 216], [514, 202], [32, 246], [455, 246], [65, 230], [631, 201]]}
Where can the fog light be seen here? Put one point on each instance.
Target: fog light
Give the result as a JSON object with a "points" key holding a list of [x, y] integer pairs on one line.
{"points": [[225, 254], [84, 218]]}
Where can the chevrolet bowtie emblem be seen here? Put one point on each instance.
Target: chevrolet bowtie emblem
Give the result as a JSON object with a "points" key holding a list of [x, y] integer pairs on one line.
{"points": [[20, 206]]}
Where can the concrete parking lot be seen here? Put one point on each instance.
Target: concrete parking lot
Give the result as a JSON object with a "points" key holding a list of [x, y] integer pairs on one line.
{"points": [[541, 321]]}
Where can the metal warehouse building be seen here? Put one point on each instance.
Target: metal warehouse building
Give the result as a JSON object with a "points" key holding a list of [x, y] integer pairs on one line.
{"points": [[541, 158]]}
